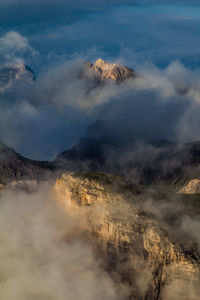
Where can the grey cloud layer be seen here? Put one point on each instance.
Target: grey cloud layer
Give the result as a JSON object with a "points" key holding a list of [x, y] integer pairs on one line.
{"points": [[50, 116]]}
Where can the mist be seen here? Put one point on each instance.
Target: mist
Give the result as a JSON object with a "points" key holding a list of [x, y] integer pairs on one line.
{"points": [[44, 254]]}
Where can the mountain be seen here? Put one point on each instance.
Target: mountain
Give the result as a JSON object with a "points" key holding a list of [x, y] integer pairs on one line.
{"points": [[143, 234], [143, 160], [11, 75], [102, 71], [14, 166]]}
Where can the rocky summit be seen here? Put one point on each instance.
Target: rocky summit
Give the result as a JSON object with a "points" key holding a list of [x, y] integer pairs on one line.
{"points": [[103, 70]]}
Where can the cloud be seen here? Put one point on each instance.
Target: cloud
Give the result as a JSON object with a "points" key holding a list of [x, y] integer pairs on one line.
{"points": [[184, 287], [14, 47], [51, 115]]}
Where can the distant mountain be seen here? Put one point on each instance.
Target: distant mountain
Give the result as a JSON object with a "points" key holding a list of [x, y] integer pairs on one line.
{"points": [[143, 160], [10, 75], [101, 71]]}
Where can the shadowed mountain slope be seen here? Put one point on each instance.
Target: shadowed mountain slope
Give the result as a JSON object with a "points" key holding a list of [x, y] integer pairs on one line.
{"points": [[14, 166]]}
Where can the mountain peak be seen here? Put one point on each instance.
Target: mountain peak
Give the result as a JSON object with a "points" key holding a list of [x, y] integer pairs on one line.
{"points": [[12, 74], [104, 70]]}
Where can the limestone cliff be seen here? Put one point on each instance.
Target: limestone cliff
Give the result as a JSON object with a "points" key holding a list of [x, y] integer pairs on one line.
{"points": [[135, 246]]}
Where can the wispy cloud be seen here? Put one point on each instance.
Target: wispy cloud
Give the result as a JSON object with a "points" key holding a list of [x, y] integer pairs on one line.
{"points": [[14, 48]]}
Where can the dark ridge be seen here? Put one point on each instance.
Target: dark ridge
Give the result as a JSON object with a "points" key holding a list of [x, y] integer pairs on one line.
{"points": [[14, 166]]}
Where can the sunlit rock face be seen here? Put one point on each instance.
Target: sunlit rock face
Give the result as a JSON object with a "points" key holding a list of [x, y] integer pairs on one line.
{"points": [[102, 71], [10, 75], [135, 247], [192, 187]]}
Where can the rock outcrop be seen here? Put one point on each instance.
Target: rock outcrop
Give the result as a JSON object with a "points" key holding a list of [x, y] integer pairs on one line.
{"points": [[136, 247]]}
